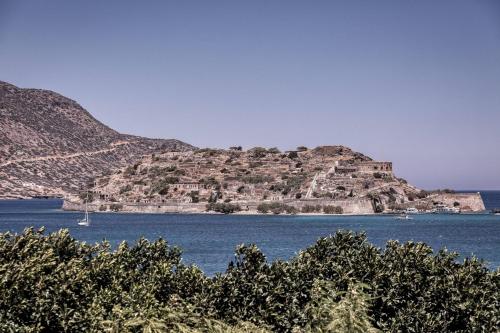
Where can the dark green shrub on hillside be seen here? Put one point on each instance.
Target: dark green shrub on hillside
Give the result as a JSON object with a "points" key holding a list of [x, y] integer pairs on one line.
{"points": [[311, 209], [257, 179], [263, 208], [422, 194], [171, 180], [129, 171], [86, 196], [223, 207], [211, 182], [126, 188], [115, 207], [180, 172], [332, 209], [274, 150], [195, 196], [342, 283], [257, 152], [276, 208]]}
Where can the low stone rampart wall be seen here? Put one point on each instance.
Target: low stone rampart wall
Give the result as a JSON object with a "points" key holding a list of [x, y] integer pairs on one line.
{"points": [[468, 201], [353, 206]]}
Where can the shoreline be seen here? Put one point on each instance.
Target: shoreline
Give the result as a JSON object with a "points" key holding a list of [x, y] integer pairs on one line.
{"points": [[246, 213], [199, 208]]}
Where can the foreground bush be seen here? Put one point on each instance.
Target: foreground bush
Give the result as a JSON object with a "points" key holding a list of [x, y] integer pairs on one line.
{"points": [[53, 283]]}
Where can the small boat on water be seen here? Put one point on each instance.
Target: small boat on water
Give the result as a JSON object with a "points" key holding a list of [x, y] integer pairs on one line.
{"points": [[495, 211], [404, 217], [86, 220]]}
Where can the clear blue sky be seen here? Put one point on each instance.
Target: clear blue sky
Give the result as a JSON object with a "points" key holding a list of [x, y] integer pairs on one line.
{"points": [[414, 82]]}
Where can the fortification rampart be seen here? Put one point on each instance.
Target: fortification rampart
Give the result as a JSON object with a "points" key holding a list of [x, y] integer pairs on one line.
{"points": [[374, 166], [469, 202], [352, 206]]}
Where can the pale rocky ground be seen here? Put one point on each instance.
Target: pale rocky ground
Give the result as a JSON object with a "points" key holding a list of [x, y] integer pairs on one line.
{"points": [[327, 175], [51, 146]]}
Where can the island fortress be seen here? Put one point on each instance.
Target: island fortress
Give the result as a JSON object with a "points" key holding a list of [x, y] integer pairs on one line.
{"points": [[326, 179]]}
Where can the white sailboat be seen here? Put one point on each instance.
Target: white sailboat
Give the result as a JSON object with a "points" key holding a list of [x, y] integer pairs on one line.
{"points": [[404, 217], [86, 220]]}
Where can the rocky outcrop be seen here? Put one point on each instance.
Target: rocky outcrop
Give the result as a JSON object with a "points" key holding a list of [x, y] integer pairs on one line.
{"points": [[50, 145], [467, 202]]}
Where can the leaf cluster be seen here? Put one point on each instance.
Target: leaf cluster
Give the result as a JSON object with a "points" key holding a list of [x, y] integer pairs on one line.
{"points": [[342, 283]]}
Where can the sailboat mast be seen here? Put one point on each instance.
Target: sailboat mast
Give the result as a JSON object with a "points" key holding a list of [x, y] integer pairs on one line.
{"points": [[86, 207]]}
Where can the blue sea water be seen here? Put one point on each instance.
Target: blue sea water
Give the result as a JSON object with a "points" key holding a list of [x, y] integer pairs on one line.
{"points": [[209, 240]]}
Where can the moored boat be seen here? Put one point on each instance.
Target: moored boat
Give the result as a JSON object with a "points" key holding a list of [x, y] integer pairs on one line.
{"points": [[86, 220], [443, 209]]}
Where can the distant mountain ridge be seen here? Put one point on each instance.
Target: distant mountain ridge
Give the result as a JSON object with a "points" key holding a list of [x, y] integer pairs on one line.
{"points": [[50, 145]]}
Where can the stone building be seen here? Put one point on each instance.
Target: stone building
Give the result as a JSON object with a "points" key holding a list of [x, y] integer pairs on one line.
{"points": [[374, 166], [363, 167]]}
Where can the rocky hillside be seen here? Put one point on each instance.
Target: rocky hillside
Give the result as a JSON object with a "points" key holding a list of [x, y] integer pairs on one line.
{"points": [[334, 177], [50, 145]]}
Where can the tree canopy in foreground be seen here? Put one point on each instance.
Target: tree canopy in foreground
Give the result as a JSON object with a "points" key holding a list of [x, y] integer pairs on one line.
{"points": [[342, 283]]}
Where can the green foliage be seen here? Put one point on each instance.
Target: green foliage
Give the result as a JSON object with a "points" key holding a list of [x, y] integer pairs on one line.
{"points": [[311, 209], [129, 171], [195, 198], [115, 207], [257, 179], [86, 196], [162, 186], [211, 182], [276, 208], [332, 209], [274, 150], [53, 283], [223, 207], [171, 180], [292, 183], [126, 188], [208, 152], [326, 313], [258, 152]]}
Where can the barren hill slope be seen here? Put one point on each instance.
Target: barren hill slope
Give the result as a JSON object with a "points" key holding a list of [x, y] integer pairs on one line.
{"points": [[50, 145]]}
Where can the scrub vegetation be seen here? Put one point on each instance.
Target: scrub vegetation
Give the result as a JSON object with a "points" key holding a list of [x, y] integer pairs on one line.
{"points": [[342, 283]]}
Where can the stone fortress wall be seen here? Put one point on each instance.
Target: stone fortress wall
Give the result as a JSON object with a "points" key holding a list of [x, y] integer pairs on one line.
{"points": [[364, 167], [358, 206]]}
